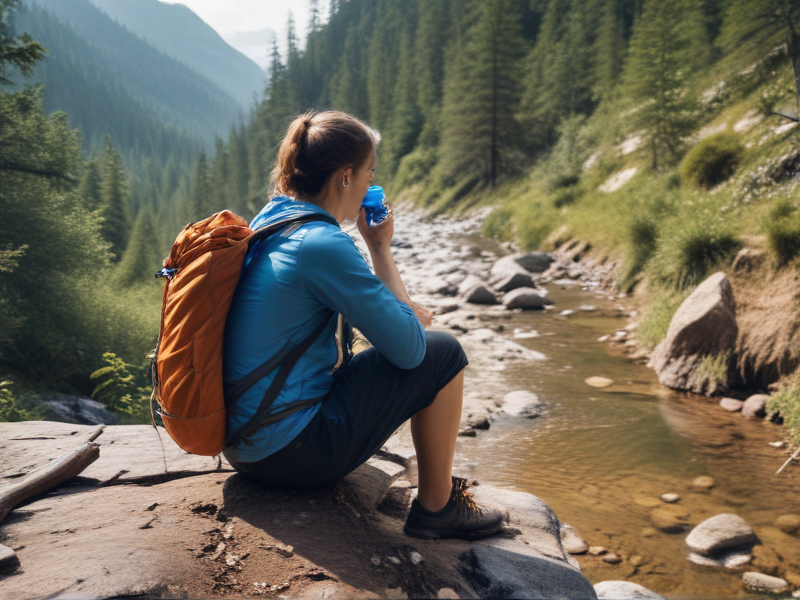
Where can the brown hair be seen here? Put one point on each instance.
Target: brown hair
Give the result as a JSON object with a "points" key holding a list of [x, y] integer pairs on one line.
{"points": [[315, 147]]}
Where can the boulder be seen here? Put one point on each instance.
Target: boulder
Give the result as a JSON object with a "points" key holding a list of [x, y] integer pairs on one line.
{"points": [[505, 267], [731, 404], [513, 282], [475, 291], [624, 590], [534, 262], [75, 409], [720, 533], [755, 406], [703, 483], [571, 541], [527, 299], [522, 404], [704, 326], [758, 582]]}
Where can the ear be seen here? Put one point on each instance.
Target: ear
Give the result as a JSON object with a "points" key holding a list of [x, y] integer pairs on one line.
{"points": [[346, 177]]}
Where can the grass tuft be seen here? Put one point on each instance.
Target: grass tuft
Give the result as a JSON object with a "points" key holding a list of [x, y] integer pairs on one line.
{"points": [[712, 161]]}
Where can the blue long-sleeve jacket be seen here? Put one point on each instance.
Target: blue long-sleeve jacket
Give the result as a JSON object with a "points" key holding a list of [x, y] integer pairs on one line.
{"points": [[289, 284]]}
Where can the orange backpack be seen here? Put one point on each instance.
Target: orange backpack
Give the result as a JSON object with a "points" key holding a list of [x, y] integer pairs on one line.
{"points": [[202, 273]]}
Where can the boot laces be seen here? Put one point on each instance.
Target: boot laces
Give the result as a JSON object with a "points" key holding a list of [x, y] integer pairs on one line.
{"points": [[462, 496]]}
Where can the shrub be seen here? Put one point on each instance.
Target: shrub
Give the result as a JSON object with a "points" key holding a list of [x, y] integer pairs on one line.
{"points": [[712, 161], [10, 412], [499, 225], [122, 387], [786, 401], [565, 196], [783, 231]]}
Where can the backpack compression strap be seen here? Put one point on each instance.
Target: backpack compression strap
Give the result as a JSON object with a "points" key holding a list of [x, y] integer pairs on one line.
{"points": [[285, 360]]}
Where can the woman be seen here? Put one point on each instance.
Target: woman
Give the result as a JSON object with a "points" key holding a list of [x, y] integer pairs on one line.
{"points": [[293, 284]]}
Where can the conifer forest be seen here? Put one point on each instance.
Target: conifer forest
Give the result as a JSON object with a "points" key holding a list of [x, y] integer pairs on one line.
{"points": [[107, 151]]}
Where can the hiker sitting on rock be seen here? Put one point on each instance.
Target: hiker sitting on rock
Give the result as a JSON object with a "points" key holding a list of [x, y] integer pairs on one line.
{"points": [[294, 285]]}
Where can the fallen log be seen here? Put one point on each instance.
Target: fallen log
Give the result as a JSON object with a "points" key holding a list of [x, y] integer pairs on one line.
{"points": [[47, 477]]}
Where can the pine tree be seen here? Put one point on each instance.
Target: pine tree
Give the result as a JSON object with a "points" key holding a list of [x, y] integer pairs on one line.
{"points": [[752, 28], [91, 186], [115, 197], [202, 197], [480, 135], [559, 73], [668, 43], [16, 53], [142, 257], [609, 49], [433, 28]]}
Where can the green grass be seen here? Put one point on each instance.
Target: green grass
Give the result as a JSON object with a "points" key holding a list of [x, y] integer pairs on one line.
{"points": [[786, 400], [783, 231], [657, 315], [715, 368]]}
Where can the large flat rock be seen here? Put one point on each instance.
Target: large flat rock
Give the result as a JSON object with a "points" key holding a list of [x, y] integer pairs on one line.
{"points": [[127, 452]]}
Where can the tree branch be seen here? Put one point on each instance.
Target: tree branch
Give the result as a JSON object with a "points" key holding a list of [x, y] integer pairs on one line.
{"points": [[780, 114], [46, 478]]}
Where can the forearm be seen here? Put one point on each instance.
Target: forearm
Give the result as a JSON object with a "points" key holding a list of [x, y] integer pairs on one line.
{"points": [[386, 271]]}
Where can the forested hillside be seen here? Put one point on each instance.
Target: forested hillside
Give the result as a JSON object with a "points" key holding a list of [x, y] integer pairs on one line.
{"points": [[108, 80], [197, 45]]}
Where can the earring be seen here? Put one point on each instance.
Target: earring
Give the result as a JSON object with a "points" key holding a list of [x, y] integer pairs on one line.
{"points": [[346, 184]]}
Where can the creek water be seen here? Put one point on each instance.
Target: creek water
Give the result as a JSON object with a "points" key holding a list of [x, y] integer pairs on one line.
{"points": [[602, 457]]}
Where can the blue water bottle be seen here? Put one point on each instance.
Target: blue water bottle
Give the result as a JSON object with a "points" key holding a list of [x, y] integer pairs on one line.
{"points": [[375, 205]]}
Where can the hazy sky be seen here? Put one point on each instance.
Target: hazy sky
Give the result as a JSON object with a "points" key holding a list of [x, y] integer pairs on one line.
{"points": [[254, 16]]}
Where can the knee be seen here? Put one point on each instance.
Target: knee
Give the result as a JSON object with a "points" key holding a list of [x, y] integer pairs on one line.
{"points": [[446, 348]]}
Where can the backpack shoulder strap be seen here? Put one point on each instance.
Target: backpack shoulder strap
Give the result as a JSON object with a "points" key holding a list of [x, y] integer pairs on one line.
{"points": [[286, 359]]}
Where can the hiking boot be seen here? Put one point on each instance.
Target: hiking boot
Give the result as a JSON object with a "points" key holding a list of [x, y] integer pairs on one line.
{"points": [[461, 517]]}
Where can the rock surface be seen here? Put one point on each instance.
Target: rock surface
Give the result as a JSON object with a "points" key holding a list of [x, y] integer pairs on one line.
{"points": [[704, 326], [719, 533], [788, 523], [734, 559], [535, 262], [175, 529], [475, 291], [624, 590], [513, 281]]}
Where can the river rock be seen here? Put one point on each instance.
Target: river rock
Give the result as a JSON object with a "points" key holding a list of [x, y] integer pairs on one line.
{"points": [[534, 262], [719, 533], [755, 406], [9, 561], [526, 298], [703, 326], [732, 560], [788, 524], [479, 422], [670, 518], [612, 558], [572, 542], [758, 582], [599, 382], [475, 291], [731, 404], [513, 282], [704, 483], [504, 268], [624, 590], [75, 409], [670, 498], [748, 259], [522, 404]]}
